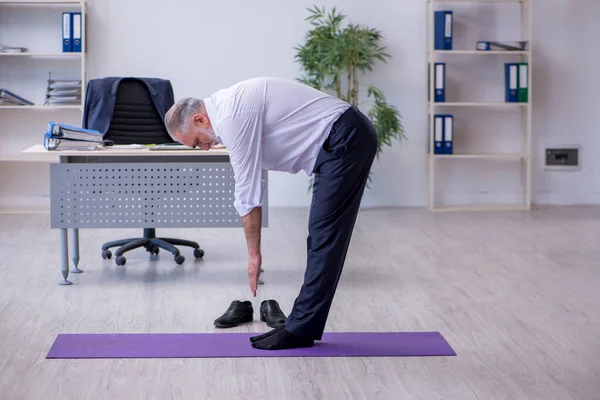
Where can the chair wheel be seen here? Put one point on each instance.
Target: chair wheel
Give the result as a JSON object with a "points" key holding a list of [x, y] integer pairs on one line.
{"points": [[153, 250], [198, 253], [179, 259], [120, 260], [106, 254]]}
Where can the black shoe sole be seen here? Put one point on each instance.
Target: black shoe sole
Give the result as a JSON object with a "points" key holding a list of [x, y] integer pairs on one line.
{"points": [[269, 324], [243, 320]]}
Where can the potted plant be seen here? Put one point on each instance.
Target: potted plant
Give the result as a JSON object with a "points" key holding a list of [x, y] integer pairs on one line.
{"points": [[334, 59]]}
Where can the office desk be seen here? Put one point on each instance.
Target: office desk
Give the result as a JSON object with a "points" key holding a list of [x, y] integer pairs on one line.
{"points": [[137, 188]]}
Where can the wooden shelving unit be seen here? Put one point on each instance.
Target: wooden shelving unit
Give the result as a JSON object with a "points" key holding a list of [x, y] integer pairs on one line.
{"points": [[524, 108], [24, 181]]}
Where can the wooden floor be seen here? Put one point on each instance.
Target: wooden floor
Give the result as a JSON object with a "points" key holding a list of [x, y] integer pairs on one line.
{"points": [[517, 295]]}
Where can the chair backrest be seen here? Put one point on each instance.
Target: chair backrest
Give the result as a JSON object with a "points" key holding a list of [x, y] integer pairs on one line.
{"points": [[135, 118]]}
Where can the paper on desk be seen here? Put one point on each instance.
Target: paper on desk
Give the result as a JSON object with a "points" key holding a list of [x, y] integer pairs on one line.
{"points": [[128, 146]]}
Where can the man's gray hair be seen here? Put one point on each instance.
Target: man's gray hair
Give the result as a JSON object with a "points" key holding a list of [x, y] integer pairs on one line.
{"points": [[179, 115]]}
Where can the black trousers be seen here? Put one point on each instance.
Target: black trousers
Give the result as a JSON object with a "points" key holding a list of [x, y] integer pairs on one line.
{"points": [[340, 175]]}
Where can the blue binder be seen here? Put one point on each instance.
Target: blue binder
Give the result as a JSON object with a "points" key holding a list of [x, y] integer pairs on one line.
{"points": [[448, 134], [443, 25], [438, 134], [67, 33], [511, 79], [76, 31], [439, 76]]}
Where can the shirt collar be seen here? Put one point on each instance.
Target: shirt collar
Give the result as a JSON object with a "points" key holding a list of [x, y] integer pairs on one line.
{"points": [[212, 115]]}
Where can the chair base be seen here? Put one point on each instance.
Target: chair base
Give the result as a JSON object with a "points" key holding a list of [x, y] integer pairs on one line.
{"points": [[152, 244]]}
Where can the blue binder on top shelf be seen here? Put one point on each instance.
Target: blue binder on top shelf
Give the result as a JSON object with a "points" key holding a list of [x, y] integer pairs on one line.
{"points": [[448, 134], [443, 30], [76, 31], [511, 79], [67, 33]]}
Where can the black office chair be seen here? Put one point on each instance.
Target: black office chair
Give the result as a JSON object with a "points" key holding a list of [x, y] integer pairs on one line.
{"points": [[136, 120]]}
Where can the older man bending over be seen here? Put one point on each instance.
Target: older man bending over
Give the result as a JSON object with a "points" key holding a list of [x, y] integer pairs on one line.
{"points": [[282, 125]]}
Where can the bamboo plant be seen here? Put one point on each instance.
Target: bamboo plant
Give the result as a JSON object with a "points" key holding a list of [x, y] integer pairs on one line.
{"points": [[335, 58]]}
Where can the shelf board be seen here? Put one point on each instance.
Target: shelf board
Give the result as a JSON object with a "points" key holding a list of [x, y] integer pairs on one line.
{"points": [[478, 104], [481, 52], [478, 1], [41, 2], [491, 207], [481, 156], [17, 159], [45, 108], [51, 55]]}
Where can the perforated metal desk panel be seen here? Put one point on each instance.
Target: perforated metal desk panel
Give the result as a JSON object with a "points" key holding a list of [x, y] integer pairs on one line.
{"points": [[146, 194], [138, 188]]}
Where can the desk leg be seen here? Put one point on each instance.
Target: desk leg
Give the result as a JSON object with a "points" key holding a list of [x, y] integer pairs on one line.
{"points": [[75, 250], [64, 256]]}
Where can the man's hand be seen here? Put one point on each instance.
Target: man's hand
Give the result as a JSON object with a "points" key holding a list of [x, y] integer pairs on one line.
{"points": [[252, 225], [254, 263]]}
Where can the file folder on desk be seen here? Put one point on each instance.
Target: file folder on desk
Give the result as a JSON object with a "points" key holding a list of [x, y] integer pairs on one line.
{"points": [[67, 137], [511, 82], [64, 131], [443, 29], [67, 33]]}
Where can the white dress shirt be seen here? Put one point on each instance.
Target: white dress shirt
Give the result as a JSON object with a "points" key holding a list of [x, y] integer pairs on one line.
{"points": [[270, 124]]}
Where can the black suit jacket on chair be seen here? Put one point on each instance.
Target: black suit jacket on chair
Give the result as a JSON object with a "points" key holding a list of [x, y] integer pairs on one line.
{"points": [[101, 96]]}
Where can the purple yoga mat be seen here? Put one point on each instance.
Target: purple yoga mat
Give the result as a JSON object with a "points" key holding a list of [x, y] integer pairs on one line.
{"points": [[223, 345]]}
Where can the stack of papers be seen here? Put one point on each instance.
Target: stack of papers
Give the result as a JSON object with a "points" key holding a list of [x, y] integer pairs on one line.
{"points": [[8, 98], [10, 49], [67, 137], [63, 92]]}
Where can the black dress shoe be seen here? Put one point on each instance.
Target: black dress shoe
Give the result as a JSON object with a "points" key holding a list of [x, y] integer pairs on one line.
{"points": [[238, 312], [272, 314]]}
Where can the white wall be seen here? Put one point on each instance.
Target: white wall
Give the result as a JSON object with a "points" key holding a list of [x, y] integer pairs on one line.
{"points": [[202, 46], [566, 108]]}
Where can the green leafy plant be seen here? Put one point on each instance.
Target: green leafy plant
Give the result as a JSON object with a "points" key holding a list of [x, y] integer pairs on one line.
{"points": [[334, 57]]}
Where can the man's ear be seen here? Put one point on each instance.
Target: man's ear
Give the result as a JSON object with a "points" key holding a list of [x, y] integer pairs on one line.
{"points": [[200, 119]]}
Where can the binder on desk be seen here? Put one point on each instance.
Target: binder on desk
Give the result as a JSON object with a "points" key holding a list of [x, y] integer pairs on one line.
{"points": [[67, 33], [76, 29], [448, 134], [69, 132], [523, 92], [443, 29], [511, 82]]}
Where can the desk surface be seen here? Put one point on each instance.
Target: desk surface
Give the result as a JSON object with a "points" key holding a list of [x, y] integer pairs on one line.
{"points": [[39, 153]]}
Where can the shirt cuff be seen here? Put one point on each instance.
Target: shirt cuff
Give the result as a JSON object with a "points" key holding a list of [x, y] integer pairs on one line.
{"points": [[244, 210]]}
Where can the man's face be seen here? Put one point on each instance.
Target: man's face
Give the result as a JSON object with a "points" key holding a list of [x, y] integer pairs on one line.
{"points": [[199, 134]]}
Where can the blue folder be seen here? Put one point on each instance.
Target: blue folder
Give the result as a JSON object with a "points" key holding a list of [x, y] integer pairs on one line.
{"points": [[448, 134], [70, 132], [439, 76], [67, 33], [511, 79], [438, 134], [443, 26], [76, 31]]}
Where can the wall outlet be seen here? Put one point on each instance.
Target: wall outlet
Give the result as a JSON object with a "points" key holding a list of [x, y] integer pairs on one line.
{"points": [[562, 157]]}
